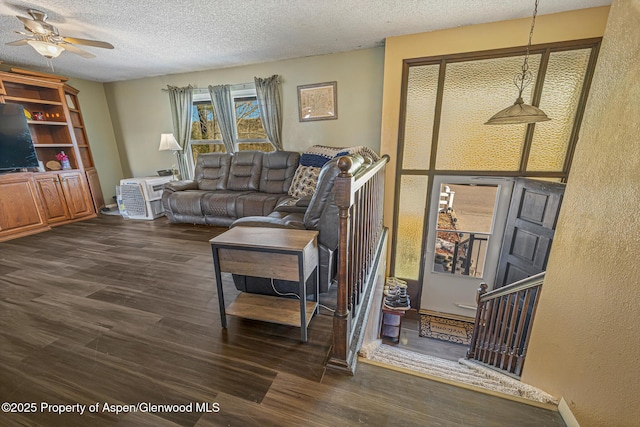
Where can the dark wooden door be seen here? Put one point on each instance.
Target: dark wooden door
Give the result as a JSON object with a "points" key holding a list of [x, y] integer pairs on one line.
{"points": [[531, 224]]}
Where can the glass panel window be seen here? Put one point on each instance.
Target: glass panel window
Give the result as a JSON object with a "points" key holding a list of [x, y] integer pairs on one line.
{"points": [[411, 209], [248, 120], [474, 91], [204, 125], [206, 148], [205, 131], [560, 97], [422, 88]]}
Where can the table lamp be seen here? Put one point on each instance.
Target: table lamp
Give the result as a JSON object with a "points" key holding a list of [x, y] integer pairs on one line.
{"points": [[168, 142]]}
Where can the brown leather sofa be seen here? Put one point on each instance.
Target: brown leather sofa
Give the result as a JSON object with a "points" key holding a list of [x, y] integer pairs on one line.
{"points": [[321, 214], [227, 187], [250, 189]]}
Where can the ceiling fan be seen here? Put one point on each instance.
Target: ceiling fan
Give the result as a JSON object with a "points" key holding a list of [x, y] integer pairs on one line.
{"points": [[48, 42]]}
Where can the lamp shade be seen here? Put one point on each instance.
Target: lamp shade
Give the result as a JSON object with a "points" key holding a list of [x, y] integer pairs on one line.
{"points": [[46, 49], [168, 142], [518, 113]]}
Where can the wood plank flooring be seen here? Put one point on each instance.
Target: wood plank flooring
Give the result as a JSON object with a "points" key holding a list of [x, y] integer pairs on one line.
{"points": [[124, 312]]}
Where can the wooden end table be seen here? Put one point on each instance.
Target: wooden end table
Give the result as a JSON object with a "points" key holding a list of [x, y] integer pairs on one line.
{"points": [[286, 254]]}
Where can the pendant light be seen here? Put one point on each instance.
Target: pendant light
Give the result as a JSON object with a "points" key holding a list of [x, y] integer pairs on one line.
{"points": [[520, 112]]}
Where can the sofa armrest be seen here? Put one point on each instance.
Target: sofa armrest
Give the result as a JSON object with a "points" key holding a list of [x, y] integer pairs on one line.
{"points": [[303, 202], [273, 220], [180, 186], [292, 205]]}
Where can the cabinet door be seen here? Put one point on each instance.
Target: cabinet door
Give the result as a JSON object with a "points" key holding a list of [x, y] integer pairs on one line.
{"points": [[55, 206], [96, 190], [76, 193], [20, 211]]}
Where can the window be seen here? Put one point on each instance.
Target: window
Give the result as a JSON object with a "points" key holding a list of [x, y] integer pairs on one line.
{"points": [[205, 130], [446, 102], [248, 121]]}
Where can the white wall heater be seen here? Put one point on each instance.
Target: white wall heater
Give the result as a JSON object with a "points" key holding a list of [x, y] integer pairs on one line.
{"points": [[140, 198]]}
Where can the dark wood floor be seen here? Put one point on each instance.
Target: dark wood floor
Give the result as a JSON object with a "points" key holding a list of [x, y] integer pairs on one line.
{"points": [[125, 312]]}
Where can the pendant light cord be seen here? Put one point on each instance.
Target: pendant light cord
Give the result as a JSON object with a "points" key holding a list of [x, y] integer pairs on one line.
{"points": [[525, 78]]}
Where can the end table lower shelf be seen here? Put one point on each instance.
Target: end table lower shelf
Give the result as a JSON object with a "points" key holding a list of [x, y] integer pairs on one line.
{"points": [[267, 308]]}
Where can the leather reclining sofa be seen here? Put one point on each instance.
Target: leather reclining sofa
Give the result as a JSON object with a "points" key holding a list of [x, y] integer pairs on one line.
{"points": [[250, 189]]}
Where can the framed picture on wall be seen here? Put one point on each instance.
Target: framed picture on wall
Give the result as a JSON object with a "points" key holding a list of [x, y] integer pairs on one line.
{"points": [[318, 102]]}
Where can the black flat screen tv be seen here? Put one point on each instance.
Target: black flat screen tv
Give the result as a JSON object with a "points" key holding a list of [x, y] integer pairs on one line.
{"points": [[16, 146]]}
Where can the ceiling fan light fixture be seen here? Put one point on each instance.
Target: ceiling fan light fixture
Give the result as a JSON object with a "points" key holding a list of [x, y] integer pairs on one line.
{"points": [[46, 49]]}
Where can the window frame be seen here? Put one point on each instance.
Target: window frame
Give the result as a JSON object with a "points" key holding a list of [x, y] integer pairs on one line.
{"points": [[201, 97], [431, 171]]}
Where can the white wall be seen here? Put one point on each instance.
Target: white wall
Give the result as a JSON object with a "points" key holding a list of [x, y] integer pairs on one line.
{"points": [[140, 109]]}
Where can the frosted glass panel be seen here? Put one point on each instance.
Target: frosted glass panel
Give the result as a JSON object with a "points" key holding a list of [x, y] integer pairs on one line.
{"points": [[473, 92], [422, 86], [560, 97], [413, 195]]}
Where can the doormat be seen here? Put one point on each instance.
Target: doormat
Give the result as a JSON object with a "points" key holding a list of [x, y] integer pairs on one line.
{"points": [[445, 329]]}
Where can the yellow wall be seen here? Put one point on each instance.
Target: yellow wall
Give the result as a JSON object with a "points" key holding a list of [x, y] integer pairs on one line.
{"points": [[97, 119], [586, 336], [140, 109], [581, 24]]}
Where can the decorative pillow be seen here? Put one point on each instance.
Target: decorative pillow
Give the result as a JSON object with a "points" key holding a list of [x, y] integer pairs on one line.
{"points": [[304, 181], [311, 162]]}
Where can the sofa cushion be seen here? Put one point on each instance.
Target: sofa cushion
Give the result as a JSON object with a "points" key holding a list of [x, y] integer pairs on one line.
{"points": [[212, 171], [220, 203], [252, 204], [278, 168], [245, 170], [187, 202]]}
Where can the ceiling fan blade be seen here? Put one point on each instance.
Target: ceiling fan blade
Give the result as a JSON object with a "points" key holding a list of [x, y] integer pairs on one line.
{"points": [[73, 49], [33, 26], [18, 42], [85, 42]]}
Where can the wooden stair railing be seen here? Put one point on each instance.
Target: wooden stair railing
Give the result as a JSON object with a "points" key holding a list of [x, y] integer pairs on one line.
{"points": [[503, 324], [360, 200]]}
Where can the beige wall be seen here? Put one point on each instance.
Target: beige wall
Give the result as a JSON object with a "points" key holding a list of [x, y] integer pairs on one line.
{"points": [[586, 337], [140, 109], [97, 119], [580, 24]]}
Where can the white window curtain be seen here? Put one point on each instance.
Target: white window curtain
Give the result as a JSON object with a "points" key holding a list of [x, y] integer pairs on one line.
{"points": [[181, 101], [270, 106], [223, 107]]}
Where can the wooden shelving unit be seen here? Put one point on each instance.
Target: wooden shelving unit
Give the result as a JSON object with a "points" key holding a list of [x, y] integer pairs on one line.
{"points": [[55, 123]]}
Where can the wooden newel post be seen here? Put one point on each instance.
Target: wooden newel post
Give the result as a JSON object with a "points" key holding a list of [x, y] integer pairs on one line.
{"points": [[341, 317], [471, 352]]}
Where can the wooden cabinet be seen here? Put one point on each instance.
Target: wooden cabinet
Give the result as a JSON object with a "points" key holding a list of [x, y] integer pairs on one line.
{"points": [[76, 194], [20, 209], [96, 189], [65, 196], [52, 197], [55, 121]]}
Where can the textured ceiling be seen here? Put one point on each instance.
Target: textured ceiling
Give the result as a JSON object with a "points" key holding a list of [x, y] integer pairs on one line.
{"points": [[155, 37]]}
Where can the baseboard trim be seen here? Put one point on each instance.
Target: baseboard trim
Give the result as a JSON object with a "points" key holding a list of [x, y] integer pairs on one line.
{"points": [[566, 414]]}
